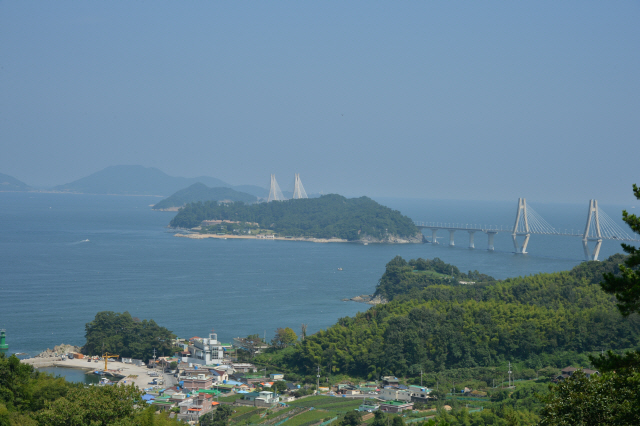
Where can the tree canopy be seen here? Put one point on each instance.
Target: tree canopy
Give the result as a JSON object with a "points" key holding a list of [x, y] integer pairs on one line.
{"points": [[626, 286], [126, 336], [442, 325], [284, 337]]}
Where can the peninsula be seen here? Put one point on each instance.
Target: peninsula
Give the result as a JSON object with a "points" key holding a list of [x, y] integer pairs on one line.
{"points": [[328, 218]]}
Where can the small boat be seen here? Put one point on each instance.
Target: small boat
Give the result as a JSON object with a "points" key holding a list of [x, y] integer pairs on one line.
{"points": [[339, 269]]}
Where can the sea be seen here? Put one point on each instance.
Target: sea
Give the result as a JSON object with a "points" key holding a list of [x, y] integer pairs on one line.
{"points": [[66, 257]]}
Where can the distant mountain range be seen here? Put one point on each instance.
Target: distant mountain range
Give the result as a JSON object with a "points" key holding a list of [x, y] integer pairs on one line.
{"points": [[136, 180], [201, 192], [9, 183], [139, 180]]}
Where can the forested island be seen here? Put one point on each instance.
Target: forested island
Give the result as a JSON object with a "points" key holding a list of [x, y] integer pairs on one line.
{"points": [[201, 192], [329, 216]]}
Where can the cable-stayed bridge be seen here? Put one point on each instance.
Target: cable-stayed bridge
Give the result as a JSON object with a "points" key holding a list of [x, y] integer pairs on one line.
{"points": [[599, 227], [275, 194]]}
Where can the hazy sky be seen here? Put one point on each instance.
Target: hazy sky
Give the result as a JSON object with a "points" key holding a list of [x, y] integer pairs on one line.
{"points": [[448, 99]]}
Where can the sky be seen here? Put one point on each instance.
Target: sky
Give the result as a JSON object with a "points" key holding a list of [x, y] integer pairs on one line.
{"points": [[433, 99]]}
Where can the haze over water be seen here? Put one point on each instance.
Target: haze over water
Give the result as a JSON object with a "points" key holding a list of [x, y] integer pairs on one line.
{"points": [[54, 281]]}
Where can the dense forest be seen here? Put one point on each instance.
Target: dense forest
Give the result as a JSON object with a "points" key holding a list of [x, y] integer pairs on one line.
{"points": [[433, 325], [201, 192], [324, 217], [409, 278], [126, 336]]}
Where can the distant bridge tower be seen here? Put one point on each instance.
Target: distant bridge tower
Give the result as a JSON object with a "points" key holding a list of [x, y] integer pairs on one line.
{"points": [[592, 231], [521, 227], [274, 191], [298, 189]]}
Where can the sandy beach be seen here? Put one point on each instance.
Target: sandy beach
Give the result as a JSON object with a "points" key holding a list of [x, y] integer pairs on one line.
{"points": [[254, 237], [125, 373]]}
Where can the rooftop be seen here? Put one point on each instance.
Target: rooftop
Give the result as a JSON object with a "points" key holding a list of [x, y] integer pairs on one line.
{"points": [[396, 403]]}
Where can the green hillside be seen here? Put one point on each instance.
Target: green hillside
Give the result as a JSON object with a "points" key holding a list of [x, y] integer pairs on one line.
{"points": [[324, 217], [201, 192], [441, 325]]}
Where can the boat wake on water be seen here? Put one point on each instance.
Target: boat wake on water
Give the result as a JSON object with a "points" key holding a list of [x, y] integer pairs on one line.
{"points": [[79, 242]]}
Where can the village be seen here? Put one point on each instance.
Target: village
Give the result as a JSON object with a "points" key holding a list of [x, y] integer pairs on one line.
{"points": [[206, 374]]}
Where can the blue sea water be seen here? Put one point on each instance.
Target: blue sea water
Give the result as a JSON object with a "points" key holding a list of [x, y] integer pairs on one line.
{"points": [[72, 374], [65, 257]]}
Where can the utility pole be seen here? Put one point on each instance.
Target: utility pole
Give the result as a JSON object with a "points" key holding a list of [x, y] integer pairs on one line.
{"points": [[318, 382], [420, 377], [509, 373], [154, 358]]}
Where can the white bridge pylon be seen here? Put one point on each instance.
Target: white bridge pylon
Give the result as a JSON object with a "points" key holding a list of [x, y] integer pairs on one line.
{"points": [[274, 191], [599, 227], [298, 189]]}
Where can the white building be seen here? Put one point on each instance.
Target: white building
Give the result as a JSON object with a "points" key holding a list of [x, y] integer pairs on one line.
{"points": [[268, 397], [207, 351], [394, 394]]}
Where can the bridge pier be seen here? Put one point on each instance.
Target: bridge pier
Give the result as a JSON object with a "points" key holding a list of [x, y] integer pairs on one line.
{"points": [[520, 249], [451, 242], [596, 249], [491, 235], [595, 234], [471, 235], [434, 239]]}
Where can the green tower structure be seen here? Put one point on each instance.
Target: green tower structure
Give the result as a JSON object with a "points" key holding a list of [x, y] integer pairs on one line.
{"points": [[3, 343]]}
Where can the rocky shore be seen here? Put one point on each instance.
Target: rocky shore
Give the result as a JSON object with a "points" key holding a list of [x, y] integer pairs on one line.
{"points": [[393, 239], [369, 299], [57, 351]]}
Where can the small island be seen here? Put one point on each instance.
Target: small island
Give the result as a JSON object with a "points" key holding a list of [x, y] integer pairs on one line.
{"points": [[201, 192], [329, 218]]}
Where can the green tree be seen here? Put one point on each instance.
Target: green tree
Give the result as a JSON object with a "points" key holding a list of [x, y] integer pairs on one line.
{"points": [[352, 418], [219, 417], [279, 386], [548, 372], [284, 337], [95, 406], [578, 400], [626, 286], [126, 336], [379, 419], [397, 421]]}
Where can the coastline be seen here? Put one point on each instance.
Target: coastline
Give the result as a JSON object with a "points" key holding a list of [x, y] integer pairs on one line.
{"points": [[119, 372], [394, 240], [254, 237], [369, 299]]}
